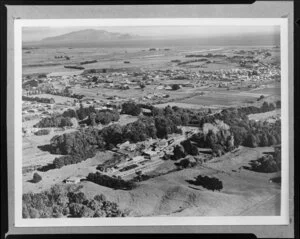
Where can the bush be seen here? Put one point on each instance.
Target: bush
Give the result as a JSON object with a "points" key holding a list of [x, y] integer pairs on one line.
{"points": [[178, 152], [175, 87], [77, 197], [267, 163], [100, 197], [210, 183], [42, 132], [36, 178]]}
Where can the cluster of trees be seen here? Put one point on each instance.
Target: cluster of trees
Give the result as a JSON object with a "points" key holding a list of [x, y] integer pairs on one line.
{"points": [[207, 55], [254, 134], [73, 158], [179, 116], [54, 121], [92, 116], [42, 132], [39, 99], [82, 144], [268, 163], [210, 183], [62, 201], [103, 117], [131, 108], [30, 83], [183, 149], [116, 183], [187, 162], [248, 132], [190, 61], [230, 115], [66, 94], [219, 142]]}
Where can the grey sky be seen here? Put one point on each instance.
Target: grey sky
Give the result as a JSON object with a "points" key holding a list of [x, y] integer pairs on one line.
{"points": [[38, 33]]}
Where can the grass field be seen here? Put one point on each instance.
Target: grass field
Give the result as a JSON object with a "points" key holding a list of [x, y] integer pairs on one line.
{"points": [[171, 195], [218, 98]]}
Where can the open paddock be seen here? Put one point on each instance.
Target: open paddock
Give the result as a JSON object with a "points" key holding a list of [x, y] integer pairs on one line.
{"points": [[268, 91], [218, 98]]}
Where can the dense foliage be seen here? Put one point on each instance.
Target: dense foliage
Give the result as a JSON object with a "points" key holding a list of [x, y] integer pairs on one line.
{"points": [[67, 201], [175, 87], [54, 121], [92, 116], [82, 144], [210, 183], [268, 163], [103, 117], [116, 183], [246, 132], [131, 108], [42, 132], [36, 178], [39, 99]]}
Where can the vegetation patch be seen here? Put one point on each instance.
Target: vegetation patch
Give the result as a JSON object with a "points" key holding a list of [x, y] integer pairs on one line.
{"points": [[115, 183], [268, 163], [54, 121], [210, 183], [68, 201], [42, 132]]}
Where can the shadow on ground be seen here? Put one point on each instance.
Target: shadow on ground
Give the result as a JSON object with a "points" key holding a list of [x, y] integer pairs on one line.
{"points": [[46, 167], [46, 147]]}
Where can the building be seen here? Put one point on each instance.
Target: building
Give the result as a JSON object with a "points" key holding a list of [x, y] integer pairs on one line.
{"points": [[72, 180], [149, 154]]}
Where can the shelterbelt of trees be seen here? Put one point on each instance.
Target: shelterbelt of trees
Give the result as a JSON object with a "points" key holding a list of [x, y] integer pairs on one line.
{"points": [[63, 201], [39, 99], [78, 146]]}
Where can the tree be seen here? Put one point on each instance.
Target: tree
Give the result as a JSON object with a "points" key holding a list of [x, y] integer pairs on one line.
{"points": [[265, 107], [36, 178], [250, 141], [100, 197], [178, 152], [278, 104], [25, 211], [175, 87], [264, 140], [77, 197], [142, 85], [163, 126], [75, 209], [211, 139], [92, 119]]}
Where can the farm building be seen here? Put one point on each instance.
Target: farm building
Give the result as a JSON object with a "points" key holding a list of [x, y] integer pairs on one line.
{"points": [[72, 180]]}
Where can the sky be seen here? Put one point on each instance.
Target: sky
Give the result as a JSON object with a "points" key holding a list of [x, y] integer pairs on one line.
{"points": [[38, 33]]}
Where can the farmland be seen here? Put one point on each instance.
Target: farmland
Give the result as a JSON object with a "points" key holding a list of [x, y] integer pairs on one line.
{"points": [[162, 142]]}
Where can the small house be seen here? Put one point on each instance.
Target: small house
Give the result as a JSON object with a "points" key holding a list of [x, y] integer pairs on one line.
{"points": [[72, 180]]}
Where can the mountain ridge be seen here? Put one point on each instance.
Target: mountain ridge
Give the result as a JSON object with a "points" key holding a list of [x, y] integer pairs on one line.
{"points": [[90, 35]]}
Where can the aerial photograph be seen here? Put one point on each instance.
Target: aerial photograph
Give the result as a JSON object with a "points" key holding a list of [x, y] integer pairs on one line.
{"points": [[151, 121]]}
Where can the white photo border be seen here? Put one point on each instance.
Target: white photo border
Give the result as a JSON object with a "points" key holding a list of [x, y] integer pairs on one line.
{"points": [[282, 219]]}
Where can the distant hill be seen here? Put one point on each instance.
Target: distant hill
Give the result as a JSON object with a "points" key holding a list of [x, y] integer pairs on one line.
{"points": [[96, 38], [89, 35]]}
